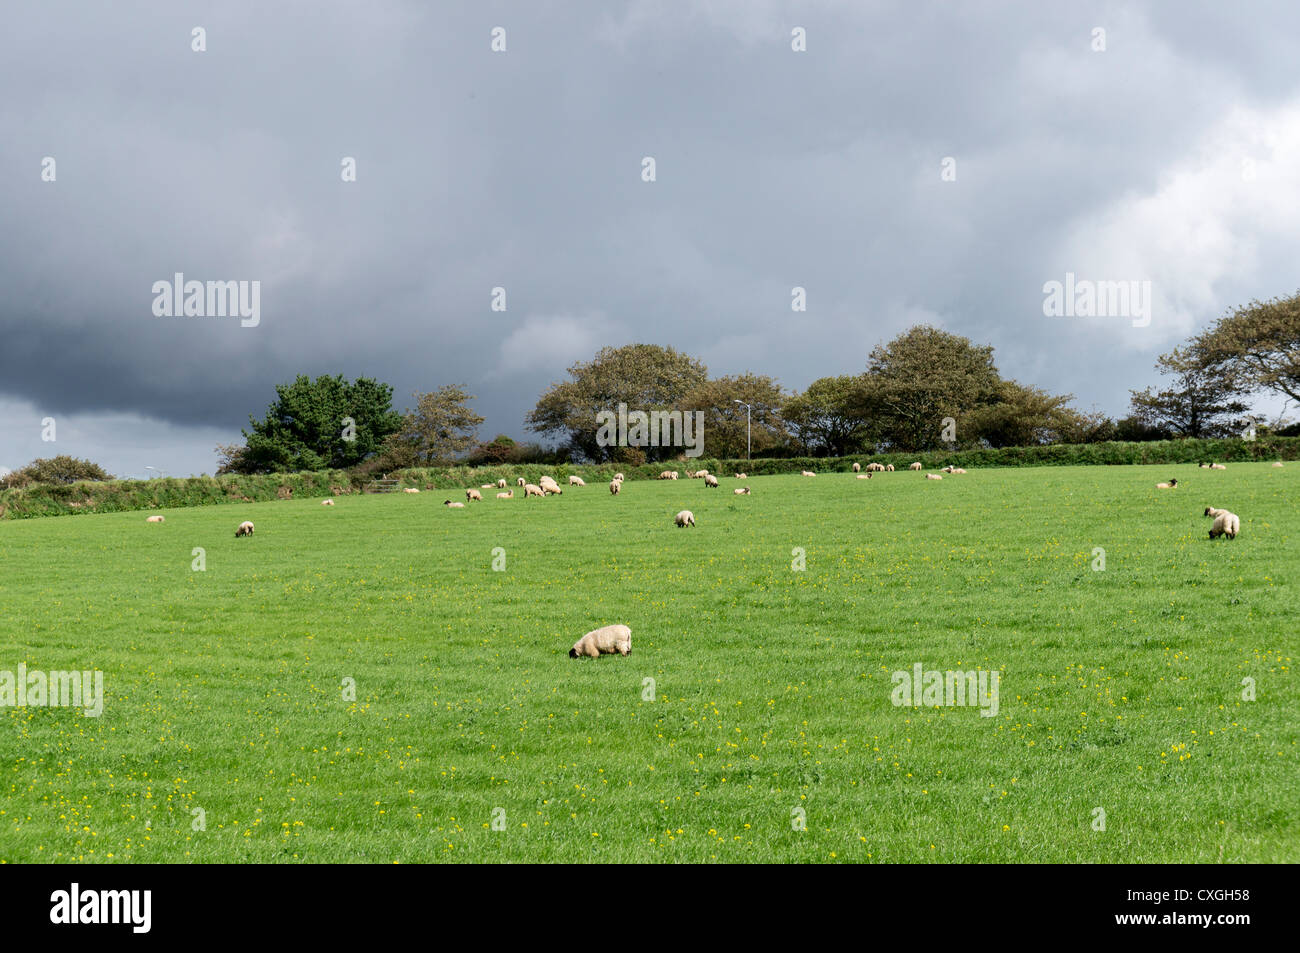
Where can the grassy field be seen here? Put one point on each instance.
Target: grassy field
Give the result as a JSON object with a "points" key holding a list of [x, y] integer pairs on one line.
{"points": [[1120, 689]]}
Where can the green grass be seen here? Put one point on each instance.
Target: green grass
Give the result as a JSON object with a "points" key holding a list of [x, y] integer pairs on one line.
{"points": [[1120, 689]]}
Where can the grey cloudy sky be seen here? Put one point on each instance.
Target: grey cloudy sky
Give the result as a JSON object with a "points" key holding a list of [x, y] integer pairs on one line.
{"points": [[1173, 156]]}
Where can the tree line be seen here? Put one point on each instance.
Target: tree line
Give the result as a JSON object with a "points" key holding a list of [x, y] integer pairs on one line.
{"points": [[927, 389]]}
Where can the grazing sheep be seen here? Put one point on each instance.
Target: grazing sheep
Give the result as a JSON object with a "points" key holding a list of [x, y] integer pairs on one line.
{"points": [[552, 488], [471, 495], [933, 476], [857, 468], [864, 476], [532, 489], [684, 518], [615, 486], [742, 476], [501, 484], [508, 495], [487, 486], [618, 477], [576, 481], [741, 491], [155, 519], [1225, 523], [948, 469], [603, 641], [244, 529], [1278, 463], [914, 466], [806, 473], [668, 475], [521, 482], [410, 489], [889, 467], [876, 467], [326, 502], [453, 505], [710, 480], [1167, 486], [1203, 466]]}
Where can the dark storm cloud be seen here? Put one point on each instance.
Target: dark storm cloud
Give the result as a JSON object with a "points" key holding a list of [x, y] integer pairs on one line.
{"points": [[521, 169]]}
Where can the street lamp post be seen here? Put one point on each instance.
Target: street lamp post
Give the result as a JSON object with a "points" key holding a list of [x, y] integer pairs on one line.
{"points": [[748, 409]]}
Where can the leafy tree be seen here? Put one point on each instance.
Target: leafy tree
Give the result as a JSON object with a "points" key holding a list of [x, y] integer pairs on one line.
{"points": [[441, 428], [231, 458], [1023, 416], [1200, 403], [829, 416], [1256, 348], [645, 377], [725, 421], [921, 377], [307, 428], [60, 469]]}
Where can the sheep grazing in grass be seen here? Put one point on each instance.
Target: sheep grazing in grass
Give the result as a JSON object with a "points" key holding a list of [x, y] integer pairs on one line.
{"points": [[876, 467], [521, 482], [471, 495], [914, 466], [453, 505], [552, 488], [741, 491], [684, 518], [710, 480], [603, 641], [1203, 466], [857, 468], [889, 467], [1225, 523], [864, 476], [326, 502], [501, 484], [1217, 466], [668, 475], [619, 477], [615, 486], [155, 519], [933, 476], [742, 476], [410, 489], [1167, 486], [532, 489], [244, 529], [487, 486], [806, 473], [507, 495], [576, 481]]}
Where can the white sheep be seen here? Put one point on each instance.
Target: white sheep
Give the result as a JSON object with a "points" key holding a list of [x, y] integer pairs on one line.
{"points": [[410, 489], [552, 488], [508, 495], [244, 529], [615, 486], [684, 518], [742, 476], [487, 486], [521, 482], [603, 641], [618, 477], [933, 476], [668, 475], [914, 466], [710, 480], [1167, 486], [471, 495], [155, 519], [1278, 463], [1217, 466], [864, 476], [532, 489], [741, 491], [889, 467], [453, 505], [857, 468], [807, 473], [326, 502], [1225, 523], [501, 483], [576, 481]]}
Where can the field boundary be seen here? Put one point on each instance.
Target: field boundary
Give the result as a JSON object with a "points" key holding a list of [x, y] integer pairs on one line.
{"points": [[113, 496]]}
